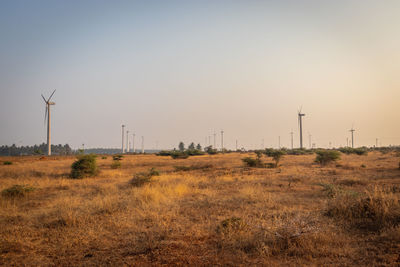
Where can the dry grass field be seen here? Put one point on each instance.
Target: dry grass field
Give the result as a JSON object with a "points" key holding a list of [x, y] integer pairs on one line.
{"points": [[211, 212]]}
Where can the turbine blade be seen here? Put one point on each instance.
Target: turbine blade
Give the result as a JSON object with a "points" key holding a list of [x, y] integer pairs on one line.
{"points": [[51, 94], [44, 99]]}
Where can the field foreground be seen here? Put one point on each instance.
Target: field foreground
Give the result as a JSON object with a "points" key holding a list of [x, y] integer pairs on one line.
{"points": [[204, 210]]}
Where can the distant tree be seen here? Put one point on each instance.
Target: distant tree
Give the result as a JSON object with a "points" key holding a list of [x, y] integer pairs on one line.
{"points": [[191, 146], [181, 146], [198, 147]]}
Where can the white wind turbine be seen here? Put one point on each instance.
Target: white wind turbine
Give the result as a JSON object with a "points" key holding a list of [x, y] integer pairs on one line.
{"points": [[47, 114]]}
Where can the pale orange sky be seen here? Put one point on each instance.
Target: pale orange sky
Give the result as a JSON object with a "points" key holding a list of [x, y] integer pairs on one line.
{"points": [[178, 71]]}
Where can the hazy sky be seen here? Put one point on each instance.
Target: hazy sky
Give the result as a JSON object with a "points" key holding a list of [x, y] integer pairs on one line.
{"points": [[178, 70]]}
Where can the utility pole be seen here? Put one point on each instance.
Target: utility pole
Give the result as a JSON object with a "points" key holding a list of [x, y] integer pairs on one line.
{"points": [[123, 131], [127, 141], [215, 140], [236, 144], [291, 133], [142, 144], [133, 143], [209, 140], [347, 141], [279, 142], [222, 140], [376, 142], [309, 140]]}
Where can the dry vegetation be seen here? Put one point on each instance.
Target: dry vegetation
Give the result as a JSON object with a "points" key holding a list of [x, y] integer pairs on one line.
{"points": [[204, 210]]}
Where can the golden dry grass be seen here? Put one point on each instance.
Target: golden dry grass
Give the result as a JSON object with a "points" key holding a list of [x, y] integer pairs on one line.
{"points": [[221, 214]]}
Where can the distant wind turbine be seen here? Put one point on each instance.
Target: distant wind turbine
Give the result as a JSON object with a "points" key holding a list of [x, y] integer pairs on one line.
{"points": [[123, 130], [47, 114], [352, 136], [300, 115]]}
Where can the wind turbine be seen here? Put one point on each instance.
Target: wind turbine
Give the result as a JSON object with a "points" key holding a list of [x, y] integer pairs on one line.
{"points": [[291, 135], [352, 136], [123, 148], [47, 114], [222, 140], [300, 115]]}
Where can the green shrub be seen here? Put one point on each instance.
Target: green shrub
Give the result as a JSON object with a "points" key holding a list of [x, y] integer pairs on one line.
{"points": [[7, 163], [358, 151], [103, 157], [117, 157], [192, 167], [116, 164], [84, 166], [326, 156], [210, 150], [179, 155], [142, 178], [154, 172], [251, 162], [17, 191]]}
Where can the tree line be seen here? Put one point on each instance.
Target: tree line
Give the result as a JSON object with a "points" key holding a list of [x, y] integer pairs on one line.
{"points": [[41, 149]]}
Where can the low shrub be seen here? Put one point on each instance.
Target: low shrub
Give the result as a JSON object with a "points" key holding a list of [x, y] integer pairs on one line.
{"points": [[358, 151], [179, 155], [192, 167], [143, 178], [372, 211], [104, 157], [7, 163], [251, 162], [17, 191], [84, 166], [233, 224], [326, 156], [117, 157], [116, 164], [275, 154]]}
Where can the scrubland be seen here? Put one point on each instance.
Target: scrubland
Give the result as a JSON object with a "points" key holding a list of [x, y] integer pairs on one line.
{"points": [[204, 210]]}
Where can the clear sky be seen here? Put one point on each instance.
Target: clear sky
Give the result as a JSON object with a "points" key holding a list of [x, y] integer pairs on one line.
{"points": [[179, 70]]}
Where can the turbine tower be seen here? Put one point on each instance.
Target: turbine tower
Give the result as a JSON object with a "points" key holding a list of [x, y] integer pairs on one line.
{"points": [[47, 114], [123, 130], [133, 143], [215, 140], [300, 115], [127, 141], [352, 136], [291, 135], [222, 140]]}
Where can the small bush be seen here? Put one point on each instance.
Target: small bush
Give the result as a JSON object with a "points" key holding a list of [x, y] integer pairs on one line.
{"points": [[84, 166], [154, 172], [179, 155], [117, 157], [358, 151], [192, 167], [7, 163], [251, 162], [104, 157], [116, 164], [326, 156], [17, 191], [143, 178], [351, 182], [234, 224], [372, 212]]}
